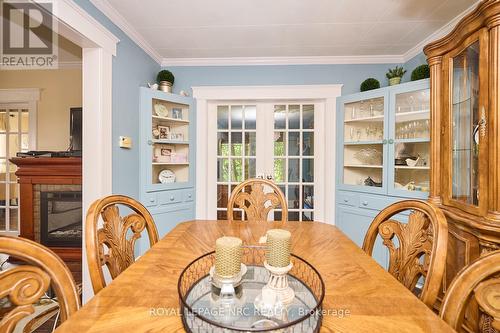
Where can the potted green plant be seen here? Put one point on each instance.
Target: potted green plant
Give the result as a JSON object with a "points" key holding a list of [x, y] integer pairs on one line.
{"points": [[421, 72], [369, 84], [394, 75], [165, 80]]}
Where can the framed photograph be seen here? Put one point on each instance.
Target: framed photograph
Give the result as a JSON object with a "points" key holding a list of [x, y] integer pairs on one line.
{"points": [[177, 113], [165, 152], [164, 132]]}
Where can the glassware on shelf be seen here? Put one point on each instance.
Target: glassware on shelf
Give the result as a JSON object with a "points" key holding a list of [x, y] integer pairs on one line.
{"points": [[369, 156]]}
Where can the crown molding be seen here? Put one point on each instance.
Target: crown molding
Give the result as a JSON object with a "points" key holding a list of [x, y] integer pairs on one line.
{"points": [[441, 32], [312, 60], [111, 13]]}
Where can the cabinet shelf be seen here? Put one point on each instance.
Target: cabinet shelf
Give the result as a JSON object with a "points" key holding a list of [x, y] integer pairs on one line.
{"points": [[351, 143], [363, 166], [406, 167], [171, 120], [169, 142], [170, 163], [412, 115], [374, 118]]}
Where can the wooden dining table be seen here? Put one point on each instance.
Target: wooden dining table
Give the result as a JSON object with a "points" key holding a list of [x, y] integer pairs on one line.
{"points": [[360, 296]]}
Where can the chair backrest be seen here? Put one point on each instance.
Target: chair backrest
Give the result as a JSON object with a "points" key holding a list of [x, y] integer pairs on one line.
{"points": [[252, 197], [421, 246], [108, 244], [24, 285], [479, 282]]}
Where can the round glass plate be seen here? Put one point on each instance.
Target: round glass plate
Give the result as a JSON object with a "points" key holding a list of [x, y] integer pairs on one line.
{"points": [[202, 310]]}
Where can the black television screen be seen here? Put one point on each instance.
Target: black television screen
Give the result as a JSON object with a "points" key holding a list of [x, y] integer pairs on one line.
{"points": [[75, 129]]}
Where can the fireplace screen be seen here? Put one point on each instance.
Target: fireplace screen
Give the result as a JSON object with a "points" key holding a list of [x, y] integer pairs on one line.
{"points": [[61, 218]]}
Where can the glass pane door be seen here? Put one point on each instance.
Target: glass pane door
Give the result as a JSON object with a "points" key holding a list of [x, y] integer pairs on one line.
{"points": [[411, 142], [236, 152], [465, 117], [294, 158], [363, 142], [14, 129]]}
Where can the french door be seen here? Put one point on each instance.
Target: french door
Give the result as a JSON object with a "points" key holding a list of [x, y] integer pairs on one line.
{"points": [[275, 140], [14, 137]]}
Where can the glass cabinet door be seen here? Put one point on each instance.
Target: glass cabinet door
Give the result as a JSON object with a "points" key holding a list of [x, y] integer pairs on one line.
{"points": [[465, 126], [363, 150], [411, 142]]}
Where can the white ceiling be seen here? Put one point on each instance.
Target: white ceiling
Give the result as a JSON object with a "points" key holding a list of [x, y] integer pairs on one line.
{"points": [[281, 28]]}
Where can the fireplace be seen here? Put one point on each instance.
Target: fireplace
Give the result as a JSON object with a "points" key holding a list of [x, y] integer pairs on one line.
{"points": [[50, 191], [61, 218]]}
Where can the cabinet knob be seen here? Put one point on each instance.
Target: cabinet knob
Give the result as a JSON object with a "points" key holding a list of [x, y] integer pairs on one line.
{"points": [[190, 195], [346, 200], [391, 141], [150, 142], [151, 199], [365, 203], [172, 198], [384, 141]]}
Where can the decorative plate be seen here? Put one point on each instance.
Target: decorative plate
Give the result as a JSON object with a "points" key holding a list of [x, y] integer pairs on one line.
{"points": [[161, 110], [166, 176]]}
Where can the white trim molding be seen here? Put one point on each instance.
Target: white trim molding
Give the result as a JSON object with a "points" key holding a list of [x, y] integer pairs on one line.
{"points": [[19, 95], [312, 60], [205, 95], [441, 32], [115, 17], [78, 23], [98, 48]]}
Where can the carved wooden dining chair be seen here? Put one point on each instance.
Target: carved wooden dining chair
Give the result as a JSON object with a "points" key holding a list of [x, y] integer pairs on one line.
{"points": [[112, 243], [476, 285], [420, 248], [24, 285], [256, 201]]}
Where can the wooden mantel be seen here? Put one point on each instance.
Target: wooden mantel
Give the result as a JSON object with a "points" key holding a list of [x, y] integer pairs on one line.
{"points": [[34, 171]]}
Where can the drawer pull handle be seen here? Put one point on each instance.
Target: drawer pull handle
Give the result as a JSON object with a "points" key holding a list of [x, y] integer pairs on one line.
{"points": [[365, 203], [346, 200], [172, 198]]}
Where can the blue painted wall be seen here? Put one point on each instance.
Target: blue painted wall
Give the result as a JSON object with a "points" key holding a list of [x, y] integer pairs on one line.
{"points": [[132, 68], [411, 64], [349, 75]]}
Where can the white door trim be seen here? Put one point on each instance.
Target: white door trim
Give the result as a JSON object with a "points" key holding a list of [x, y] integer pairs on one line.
{"points": [[205, 95], [98, 48]]}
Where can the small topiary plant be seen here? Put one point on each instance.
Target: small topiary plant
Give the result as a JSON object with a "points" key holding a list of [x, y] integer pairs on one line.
{"points": [[395, 72], [165, 75], [369, 84], [421, 72]]}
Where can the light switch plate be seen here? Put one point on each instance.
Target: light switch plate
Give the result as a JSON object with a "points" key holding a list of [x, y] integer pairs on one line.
{"points": [[125, 142]]}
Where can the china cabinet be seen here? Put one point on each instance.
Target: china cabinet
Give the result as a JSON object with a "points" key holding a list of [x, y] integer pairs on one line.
{"points": [[465, 135], [383, 153], [167, 157]]}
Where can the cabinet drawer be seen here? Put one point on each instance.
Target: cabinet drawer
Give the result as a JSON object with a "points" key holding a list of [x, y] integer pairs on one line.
{"points": [[373, 202], [189, 195], [349, 199], [170, 197], [150, 199]]}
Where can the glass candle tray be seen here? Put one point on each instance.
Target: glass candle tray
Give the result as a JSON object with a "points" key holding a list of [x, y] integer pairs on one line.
{"points": [[203, 312]]}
